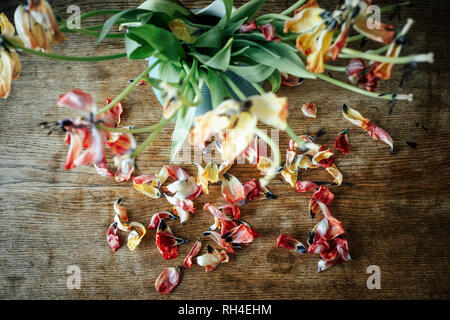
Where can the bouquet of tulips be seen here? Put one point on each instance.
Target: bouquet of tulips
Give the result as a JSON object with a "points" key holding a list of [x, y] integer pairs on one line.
{"points": [[190, 52]]}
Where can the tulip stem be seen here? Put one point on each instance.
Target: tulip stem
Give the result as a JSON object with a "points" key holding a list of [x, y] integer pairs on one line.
{"points": [[234, 88], [272, 16], [273, 170], [362, 91], [351, 53], [66, 58], [125, 92], [157, 129]]}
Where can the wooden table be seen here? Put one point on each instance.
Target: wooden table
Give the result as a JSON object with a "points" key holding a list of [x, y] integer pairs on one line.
{"points": [[396, 213]]}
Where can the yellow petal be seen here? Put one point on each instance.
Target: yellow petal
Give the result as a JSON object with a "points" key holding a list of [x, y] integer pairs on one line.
{"points": [[6, 27], [315, 61], [304, 21], [182, 31], [336, 174], [136, 234], [148, 189], [354, 117]]}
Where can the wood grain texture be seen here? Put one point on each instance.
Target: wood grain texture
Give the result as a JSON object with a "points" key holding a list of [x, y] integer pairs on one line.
{"points": [[396, 214]]}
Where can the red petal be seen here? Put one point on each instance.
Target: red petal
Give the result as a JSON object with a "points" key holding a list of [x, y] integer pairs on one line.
{"points": [[157, 217], [168, 280], [166, 244], [287, 242], [112, 237], [194, 251], [268, 30], [231, 210], [377, 133], [341, 143], [305, 186]]}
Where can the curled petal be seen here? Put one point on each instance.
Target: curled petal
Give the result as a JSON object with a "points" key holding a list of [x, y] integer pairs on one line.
{"points": [[176, 172], [168, 280], [32, 33], [323, 195], [232, 189], [290, 170], [212, 259], [309, 109], [354, 117], [136, 234], [231, 210], [324, 158], [264, 164], [193, 253], [329, 227], [217, 238], [144, 184], [341, 41], [78, 100], [305, 162], [220, 214], [112, 237], [184, 204], [242, 234], [377, 133], [157, 217], [121, 217], [290, 243], [341, 143], [290, 80], [270, 109], [253, 190], [336, 174], [305, 186], [304, 20], [185, 189]]}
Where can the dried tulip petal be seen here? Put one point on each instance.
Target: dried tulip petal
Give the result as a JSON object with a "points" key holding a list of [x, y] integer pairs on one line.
{"points": [[377, 133], [212, 259], [232, 189], [341, 143], [121, 217], [305, 186], [231, 210], [309, 109], [112, 237], [336, 174], [354, 117], [217, 238], [136, 234], [144, 184], [193, 253], [157, 217], [290, 243], [168, 280]]}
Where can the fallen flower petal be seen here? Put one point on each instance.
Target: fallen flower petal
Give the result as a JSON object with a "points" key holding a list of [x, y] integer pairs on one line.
{"points": [[136, 234], [121, 217], [192, 253], [341, 143], [168, 280], [290, 243], [377, 133], [216, 212], [305, 186], [217, 238], [212, 259], [144, 184], [125, 167], [112, 237], [323, 195], [157, 217], [242, 234], [324, 158], [336, 174], [166, 242], [354, 117], [309, 109], [231, 210], [231, 188], [268, 31]]}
